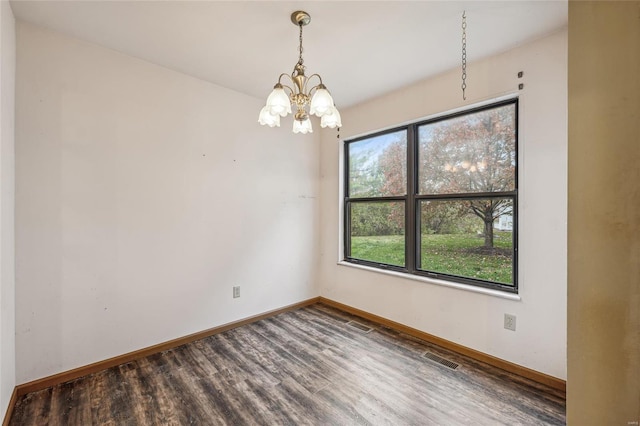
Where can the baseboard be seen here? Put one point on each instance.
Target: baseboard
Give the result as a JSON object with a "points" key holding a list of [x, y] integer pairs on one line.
{"points": [[12, 404], [76, 373], [536, 376]]}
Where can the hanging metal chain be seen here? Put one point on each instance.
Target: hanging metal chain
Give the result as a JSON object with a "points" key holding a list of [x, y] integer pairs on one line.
{"points": [[464, 54], [300, 60]]}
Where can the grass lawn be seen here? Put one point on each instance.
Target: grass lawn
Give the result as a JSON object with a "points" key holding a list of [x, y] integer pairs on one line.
{"points": [[455, 254]]}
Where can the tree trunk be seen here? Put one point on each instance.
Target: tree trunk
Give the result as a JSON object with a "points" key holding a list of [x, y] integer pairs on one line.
{"points": [[488, 233]]}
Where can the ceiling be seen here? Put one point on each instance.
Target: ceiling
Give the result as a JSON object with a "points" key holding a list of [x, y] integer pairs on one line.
{"points": [[361, 49]]}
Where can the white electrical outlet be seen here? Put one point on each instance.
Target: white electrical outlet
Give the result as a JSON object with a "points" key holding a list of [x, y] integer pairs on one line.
{"points": [[236, 291], [510, 322]]}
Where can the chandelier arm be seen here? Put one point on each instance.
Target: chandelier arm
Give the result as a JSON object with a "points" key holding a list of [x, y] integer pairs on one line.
{"points": [[316, 87], [284, 74], [284, 85]]}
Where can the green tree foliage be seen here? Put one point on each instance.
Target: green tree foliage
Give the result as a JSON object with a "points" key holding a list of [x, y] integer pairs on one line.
{"points": [[365, 175], [443, 217], [373, 175], [373, 218]]}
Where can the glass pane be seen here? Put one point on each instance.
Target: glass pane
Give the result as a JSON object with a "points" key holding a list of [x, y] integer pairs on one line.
{"points": [[378, 166], [471, 153], [377, 232], [468, 238]]}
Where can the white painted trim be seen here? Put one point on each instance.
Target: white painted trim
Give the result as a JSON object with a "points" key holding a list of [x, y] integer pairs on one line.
{"points": [[340, 199], [459, 286], [479, 104]]}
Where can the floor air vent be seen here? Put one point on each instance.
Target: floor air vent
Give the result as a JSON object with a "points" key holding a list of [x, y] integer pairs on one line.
{"points": [[435, 358], [359, 326]]}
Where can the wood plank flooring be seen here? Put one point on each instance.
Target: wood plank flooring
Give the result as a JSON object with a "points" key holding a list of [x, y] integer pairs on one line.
{"points": [[304, 367]]}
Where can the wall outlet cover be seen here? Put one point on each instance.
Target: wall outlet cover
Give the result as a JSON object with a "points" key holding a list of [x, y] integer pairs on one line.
{"points": [[510, 322]]}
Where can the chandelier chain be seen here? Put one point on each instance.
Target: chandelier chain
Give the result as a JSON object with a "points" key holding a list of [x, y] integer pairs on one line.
{"points": [[464, 54], [300, 60]]}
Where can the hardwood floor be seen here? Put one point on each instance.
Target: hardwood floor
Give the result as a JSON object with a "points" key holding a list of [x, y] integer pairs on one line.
{"points": [[305, 367]]}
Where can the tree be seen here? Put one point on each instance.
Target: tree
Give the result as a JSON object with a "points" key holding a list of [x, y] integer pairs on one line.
{"points": [[371, 176], [471, 154], [489, 211], [372, 219], [365, 175], [442, 217], [393, 165]]}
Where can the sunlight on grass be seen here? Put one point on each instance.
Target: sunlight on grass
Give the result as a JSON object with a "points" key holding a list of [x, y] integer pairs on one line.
{"points": [[387, 249], [464, 255], [453, 254]]}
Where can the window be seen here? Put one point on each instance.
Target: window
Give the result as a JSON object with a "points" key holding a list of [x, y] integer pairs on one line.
{"points": [[437, 198]]}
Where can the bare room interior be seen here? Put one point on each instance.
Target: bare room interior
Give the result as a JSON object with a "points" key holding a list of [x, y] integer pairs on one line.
{"points": [[301, 212]]}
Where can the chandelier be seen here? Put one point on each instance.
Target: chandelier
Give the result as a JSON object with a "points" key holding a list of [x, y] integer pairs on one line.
{"points": [[316, 98]]}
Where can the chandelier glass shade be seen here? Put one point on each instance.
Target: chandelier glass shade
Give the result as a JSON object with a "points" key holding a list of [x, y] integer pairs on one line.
{"points": [[316, 98]]}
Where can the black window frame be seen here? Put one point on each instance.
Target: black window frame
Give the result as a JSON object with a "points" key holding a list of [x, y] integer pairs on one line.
{"points": [[412, 201]]}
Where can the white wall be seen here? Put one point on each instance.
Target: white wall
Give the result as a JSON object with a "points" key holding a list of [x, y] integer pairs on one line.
{"points": [[7, 204], [142, 196], [467, 318]]}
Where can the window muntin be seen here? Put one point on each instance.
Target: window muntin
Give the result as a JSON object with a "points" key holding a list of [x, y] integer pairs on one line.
{"points": [[456, 177]]}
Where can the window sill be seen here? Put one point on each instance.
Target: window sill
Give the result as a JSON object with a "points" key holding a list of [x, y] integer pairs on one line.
{"points": [[459, 286]]}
